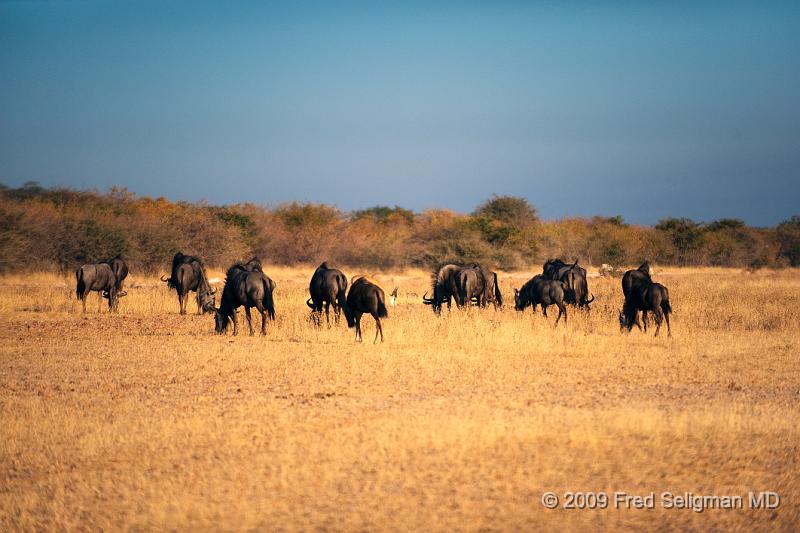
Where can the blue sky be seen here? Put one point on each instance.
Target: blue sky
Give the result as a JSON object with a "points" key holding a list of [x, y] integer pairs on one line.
{"points": [[639, 109]]}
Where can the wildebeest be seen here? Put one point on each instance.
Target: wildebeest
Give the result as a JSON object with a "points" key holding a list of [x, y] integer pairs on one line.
{"points": [[541, 291], [491, 289], [641, 274], [120, 269], [328, 287], [576, 286], [646, 295], [246, 288], [444, 287], [365, 297], [98, 277], [471, 285], [188, 274]]}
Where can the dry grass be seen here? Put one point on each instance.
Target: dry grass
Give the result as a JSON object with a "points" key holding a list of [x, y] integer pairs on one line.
{"points": [[146, 420]]}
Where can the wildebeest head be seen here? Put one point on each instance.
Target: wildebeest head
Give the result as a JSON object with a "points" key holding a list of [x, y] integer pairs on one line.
{"points": [[220, 322], [350, 316], [113, 296], [627, 318], [207, 300], [517, 301]]}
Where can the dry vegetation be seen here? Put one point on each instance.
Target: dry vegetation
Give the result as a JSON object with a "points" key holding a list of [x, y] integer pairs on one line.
{"points": [[147, 420]]}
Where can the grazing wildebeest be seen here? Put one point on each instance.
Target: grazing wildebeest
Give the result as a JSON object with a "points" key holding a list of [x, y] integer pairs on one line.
{"points": [[365, 297], [246, 288], [646, 295], [98, 277], [188, 274], [576, 286], [444, 287], [491, 289], [471, 286], [541, 291], [328, 287], [643, 273], [120, 268]]}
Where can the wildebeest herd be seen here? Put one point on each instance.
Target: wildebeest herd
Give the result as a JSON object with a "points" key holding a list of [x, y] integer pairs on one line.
{"points": [[246, 285]]}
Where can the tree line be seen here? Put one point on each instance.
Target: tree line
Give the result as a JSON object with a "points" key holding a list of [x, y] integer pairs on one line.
{"points": [[60, 229]]}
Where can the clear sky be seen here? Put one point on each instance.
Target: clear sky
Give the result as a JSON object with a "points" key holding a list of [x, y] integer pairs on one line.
{"points": [[643, 109]]}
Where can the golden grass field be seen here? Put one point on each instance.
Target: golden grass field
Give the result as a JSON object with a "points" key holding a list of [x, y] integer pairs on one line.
{"points": [[147, 420]]}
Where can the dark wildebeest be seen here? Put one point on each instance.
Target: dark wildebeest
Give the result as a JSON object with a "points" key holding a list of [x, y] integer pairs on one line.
{"points": [[246, 288], [120, 268], [188, 274], [646, 295], [365, 297], [630, 277], [576, 286], [491, 289], [444, 287], [471, 285], [328, 287], [541, 291], [478, 284], [98, 277]]}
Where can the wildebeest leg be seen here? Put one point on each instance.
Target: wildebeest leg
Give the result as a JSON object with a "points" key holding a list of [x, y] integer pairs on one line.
{"points": [[544, 310], [561, 311], [636, 321], [83, 301], [644, 321], [378, 327], [249, 320], [182, 298], [669, 331], [358, 327], [328, 313], [235, 322], [657, 316]]}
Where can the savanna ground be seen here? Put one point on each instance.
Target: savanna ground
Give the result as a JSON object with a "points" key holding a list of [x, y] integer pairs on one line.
{"points": [[147, 420]]}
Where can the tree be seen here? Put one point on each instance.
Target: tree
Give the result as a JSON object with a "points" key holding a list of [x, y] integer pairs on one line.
{"points": [[685, 235], [788, 233]]}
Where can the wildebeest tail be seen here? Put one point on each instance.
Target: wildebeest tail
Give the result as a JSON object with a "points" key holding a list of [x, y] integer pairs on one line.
{"points": [[80, 286], [665, 306], [341, 296], [269, 302], [382, 312], [497, 295]]}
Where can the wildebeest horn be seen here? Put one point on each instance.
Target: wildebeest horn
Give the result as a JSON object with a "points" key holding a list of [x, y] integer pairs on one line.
{"points": [[121, 294], [308, 303], [105, 294], [590, 301], [425, 299], [164, 280]]}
